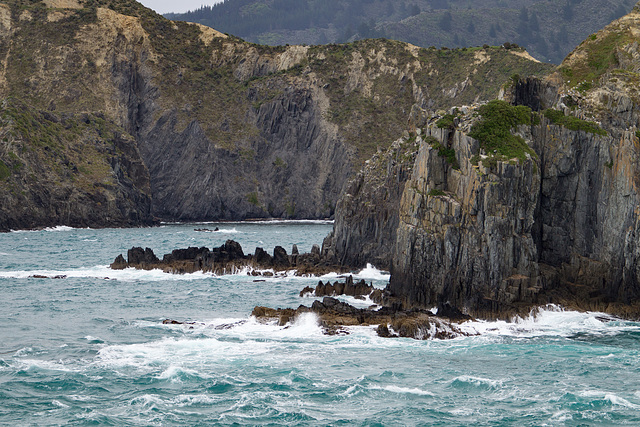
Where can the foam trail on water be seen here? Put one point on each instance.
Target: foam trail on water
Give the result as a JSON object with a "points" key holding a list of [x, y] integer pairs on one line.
{"points": [[402, 390], [50, 229], [104, 272], [552, 320]]}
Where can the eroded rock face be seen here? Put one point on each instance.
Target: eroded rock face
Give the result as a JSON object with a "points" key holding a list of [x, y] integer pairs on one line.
{"points": [[560, 226], [464, 235], [365, 229], [222, 129]]}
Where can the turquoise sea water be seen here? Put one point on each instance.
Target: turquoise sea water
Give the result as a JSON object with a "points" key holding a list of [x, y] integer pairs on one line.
{"points": [[91, 349]]}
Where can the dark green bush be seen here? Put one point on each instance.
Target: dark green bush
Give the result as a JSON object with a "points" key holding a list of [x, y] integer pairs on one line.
{"points": [[493, 130]]}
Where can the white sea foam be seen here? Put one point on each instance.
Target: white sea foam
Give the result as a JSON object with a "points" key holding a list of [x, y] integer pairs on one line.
{"points": [[59, 404], [370, 272], [402, 390], [611, 397], [551, 320], [48, 229], [476, 381], [104, 272], [176, 373]]}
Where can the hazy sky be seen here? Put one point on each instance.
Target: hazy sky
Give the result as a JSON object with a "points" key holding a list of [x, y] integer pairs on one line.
{"points": [[166, 6]]}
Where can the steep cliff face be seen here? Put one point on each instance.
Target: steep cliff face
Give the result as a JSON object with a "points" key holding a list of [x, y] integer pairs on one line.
{"points": [[496, 235], [587, 222], [228, 129], [464, 235], [533, 210], [365, 230], [76, 170]]}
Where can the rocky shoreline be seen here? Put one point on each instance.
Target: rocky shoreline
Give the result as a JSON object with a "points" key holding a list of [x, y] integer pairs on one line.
{"points": [[334, 315], [229, 258]]}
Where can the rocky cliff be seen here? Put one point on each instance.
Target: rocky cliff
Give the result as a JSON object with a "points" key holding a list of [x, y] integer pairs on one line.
{"points": [[77, 170], [514, 204], [495, 230], [225, 128]]}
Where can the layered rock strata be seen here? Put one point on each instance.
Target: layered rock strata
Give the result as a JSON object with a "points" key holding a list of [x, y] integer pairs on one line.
{"points": [[495, 236]]}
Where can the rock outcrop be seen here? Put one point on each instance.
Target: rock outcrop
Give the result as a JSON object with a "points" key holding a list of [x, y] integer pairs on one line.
{"points": [[494, 235], [335, 315], [226, 259]]}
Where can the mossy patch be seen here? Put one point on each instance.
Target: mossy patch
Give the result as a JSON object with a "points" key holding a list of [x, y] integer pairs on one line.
{"points": [[584, 72], [449, 154], [4, 171], [573, 123]]}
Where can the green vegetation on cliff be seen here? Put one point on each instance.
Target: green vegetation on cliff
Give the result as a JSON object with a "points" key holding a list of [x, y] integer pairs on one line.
{"points": [[494, 130], [557, 117]]}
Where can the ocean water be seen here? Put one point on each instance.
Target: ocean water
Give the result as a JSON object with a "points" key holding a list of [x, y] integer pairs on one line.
{"points": [[91, 349]]}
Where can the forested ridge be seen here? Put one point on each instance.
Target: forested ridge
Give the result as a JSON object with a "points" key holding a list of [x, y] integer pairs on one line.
{"points": [[549, 30]]}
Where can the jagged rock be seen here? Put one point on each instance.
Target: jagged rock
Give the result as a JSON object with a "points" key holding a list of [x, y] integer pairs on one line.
{"points": [[494, 240], [228, 258], [334, 315], [262, 257], [307, 291], [280, 258], [141, 256], [119, 263], [294, 250]]}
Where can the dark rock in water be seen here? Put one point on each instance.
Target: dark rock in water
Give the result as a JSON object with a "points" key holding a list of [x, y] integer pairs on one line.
{"points": [[39, 276], [280, 257], [335, 314], [141, 256], [383, 331], [175, 322], [294, 250], [349, 288], [233, 250], [119, 264], [307, 290], [225, 259], [262, 257], [315, 250], [191, 253], [450, 312]]}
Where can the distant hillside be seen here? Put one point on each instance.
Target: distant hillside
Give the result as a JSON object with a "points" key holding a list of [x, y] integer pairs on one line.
{"points": [[549, 30]]}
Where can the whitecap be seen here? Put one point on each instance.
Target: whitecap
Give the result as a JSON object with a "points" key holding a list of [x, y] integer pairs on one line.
{"points": [[59, 404], [371, 272], [476, 381], [612, 398], [227, 231], [177, 373], [551, 320], [402, 390]]}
